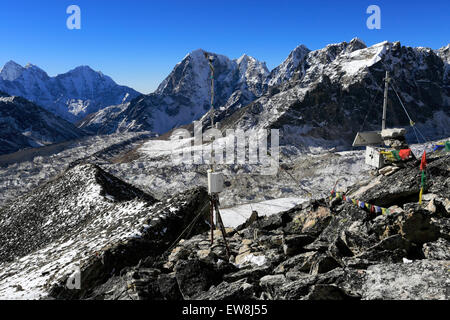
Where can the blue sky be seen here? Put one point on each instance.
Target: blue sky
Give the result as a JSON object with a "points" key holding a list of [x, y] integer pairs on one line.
{"points": [[138, 42]]}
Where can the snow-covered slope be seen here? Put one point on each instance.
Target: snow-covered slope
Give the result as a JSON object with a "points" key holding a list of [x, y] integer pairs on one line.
{"points": [[84, 214], [43, 236], [71, 95], [24, 124], [184, 95]]}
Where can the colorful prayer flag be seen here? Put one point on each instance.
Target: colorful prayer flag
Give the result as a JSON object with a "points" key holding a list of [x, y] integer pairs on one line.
{"points": [[423, 163], [404, 153]]}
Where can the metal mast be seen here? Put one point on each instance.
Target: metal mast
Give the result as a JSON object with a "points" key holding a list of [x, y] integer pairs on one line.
{"points": [[211, 112], [385, 101], [211, 67]]}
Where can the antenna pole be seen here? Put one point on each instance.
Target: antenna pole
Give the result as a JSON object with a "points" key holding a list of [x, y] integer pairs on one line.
{"points": [[385, 101], [211, 67]]}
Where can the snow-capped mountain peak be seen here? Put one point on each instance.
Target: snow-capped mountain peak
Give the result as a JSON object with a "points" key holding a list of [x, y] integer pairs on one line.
{"points": [[243, 58], [71, 95], [33, 72], [11, 71], [356, 43], [184, 95], [288, 67]]}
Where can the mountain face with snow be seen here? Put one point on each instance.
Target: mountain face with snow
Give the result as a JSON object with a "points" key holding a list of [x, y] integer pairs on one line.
{"points": [[71, 95], [321, 97], [338, 90], [184, 95], [444, 54], [24, 124], [285, 71]]}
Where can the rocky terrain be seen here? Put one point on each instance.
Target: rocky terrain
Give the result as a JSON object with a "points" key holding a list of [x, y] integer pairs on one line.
{"points": [[325, 248]]}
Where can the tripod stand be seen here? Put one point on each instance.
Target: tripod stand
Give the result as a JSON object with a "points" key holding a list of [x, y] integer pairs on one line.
{"points": [[214, 205]]}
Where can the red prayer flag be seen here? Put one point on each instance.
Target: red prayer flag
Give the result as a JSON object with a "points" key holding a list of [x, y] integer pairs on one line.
{"points": [[423, 163], [404, 153]]}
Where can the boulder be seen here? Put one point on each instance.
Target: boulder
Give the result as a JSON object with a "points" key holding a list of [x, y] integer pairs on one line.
{"points": [[168, 287], [301, 262], [194, 276], [293, 244], [270, 284], [416, 226], [142, 284], [356, 237], [311, 221], [419, 280], [403, 186], [437, 250], [251, 273], [388, 170], [323, 264], [327, 292], [295, 290], [238, 290]]}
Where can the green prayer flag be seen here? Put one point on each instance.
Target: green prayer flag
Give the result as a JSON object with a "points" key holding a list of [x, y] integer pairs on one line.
{"points": [[423, 180], [396, 154]]}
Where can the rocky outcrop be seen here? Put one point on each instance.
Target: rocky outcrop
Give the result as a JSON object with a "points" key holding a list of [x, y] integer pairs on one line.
{"points": [[130, 264]]}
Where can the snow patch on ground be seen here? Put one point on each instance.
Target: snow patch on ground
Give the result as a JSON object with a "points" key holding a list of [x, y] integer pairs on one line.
{"points": [[237, 215]]}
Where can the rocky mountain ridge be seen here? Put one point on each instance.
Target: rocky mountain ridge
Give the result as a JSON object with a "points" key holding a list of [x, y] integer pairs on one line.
{"points": [[338, 90], [51, 231], [26, 125]]}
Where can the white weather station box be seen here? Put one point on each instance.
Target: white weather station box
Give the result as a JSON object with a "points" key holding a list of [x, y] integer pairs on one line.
{"points": [[374, 158], [215, 182]]}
